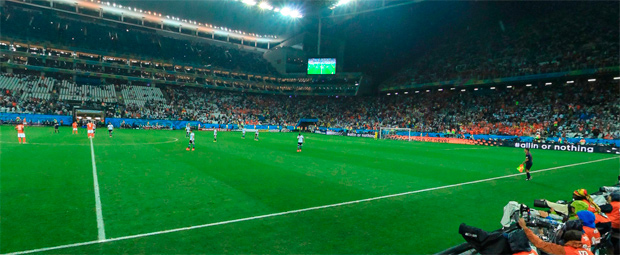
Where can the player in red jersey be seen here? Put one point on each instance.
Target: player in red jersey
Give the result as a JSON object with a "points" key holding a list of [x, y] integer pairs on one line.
{"points": [[20, 133], [90, 127]]}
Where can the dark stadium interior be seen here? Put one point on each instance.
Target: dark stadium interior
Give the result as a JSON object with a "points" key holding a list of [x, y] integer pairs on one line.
{"points": [[486, 74]]}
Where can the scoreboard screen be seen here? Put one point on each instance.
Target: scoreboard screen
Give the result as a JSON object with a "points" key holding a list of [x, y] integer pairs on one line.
{"points": [[322, 66]]}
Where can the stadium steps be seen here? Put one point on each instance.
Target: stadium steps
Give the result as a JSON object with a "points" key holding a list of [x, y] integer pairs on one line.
{"points": [[119, 97]]}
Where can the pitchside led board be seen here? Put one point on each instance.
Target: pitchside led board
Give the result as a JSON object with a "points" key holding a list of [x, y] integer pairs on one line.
{"points": [[321, 66]]}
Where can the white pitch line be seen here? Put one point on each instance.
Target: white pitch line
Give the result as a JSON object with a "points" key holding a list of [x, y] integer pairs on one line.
{"points": [[295, 211], [79, 144], [100, 226]]}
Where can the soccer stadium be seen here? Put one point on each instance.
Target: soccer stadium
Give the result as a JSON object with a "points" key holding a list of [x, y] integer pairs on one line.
{"points": [[309, 127]]}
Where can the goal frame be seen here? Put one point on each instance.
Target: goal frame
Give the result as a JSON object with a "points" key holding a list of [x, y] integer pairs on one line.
{"points": [[408, 130]]}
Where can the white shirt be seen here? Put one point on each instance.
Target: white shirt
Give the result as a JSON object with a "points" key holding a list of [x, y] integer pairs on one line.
{"points": [[187, 128], [300, 138], [191, 136], [243, 131], [256, 133], [110, 127], [214, 131]]}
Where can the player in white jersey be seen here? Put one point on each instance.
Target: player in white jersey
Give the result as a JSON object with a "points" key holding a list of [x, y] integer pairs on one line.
{"points": [[300, 142], [191, 141], [256, 135], [215, 135], [110, 128], [187, 130], [243, 133]]}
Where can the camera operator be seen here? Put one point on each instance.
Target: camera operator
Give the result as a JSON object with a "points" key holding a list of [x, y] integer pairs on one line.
{"points": [[572, 242]]}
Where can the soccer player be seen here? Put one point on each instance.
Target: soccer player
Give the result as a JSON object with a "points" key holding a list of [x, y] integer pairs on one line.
{"points": [[75, 130], [110, 129], [215, 135], [90, 129], [243, 133], [300, 142], [256, 135], [56, 126], [528, 163], [187, 130], [191, 141], [20, 133]]}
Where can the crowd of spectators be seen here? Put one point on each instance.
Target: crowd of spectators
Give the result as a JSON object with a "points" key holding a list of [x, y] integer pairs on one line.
{"points": [[580, 109], [48, 26], [21, 101], [554, 42]]}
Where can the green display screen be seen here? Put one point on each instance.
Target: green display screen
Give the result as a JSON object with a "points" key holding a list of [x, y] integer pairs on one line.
{"points": [[322, 66]]}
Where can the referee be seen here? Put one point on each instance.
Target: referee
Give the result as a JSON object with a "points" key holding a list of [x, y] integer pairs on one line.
{"points": [[528, 163]]}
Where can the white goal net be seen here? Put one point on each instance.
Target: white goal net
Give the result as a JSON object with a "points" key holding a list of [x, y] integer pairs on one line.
{"points": [[395, 133]]}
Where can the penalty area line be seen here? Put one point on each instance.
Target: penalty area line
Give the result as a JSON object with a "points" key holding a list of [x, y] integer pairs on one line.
{"points": [[297, 211]]}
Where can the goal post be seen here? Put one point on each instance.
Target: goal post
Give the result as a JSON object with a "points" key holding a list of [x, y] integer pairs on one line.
{"points": [[395, 133]]}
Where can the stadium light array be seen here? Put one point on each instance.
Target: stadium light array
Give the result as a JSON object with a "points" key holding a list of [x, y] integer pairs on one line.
{"points": [[569, 82], [452, 88], [508, 87], [265, 6], [591, 80], [462, 90], [546, 84], [285, 11], [476, 89], [529, 85], [406, 92], [440, 90], [492, 87], [417, 91], [616, 78], [249, 2], [340, 3], [262, 5]]}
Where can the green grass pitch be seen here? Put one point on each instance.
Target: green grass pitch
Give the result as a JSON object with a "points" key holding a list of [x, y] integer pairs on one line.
{"points": [[149, 183], [321, 69]]}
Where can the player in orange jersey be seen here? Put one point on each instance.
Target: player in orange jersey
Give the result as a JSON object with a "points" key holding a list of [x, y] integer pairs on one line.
{"points": [[90, 126], [75, 130], [20, 133]]}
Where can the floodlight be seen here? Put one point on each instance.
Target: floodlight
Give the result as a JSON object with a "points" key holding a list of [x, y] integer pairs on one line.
{"points": [[266, 6], [286, 11], [296, 14], [249, 2]]}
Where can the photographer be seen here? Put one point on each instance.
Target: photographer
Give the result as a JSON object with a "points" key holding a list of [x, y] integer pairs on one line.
{"points": [[572, 242]]}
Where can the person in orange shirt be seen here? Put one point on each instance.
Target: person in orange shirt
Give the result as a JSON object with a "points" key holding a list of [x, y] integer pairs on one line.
{"points": [[572, 239], [90, 128], [20, 133], [582, 194], [587, 218], [614, 215], [75, 130]]}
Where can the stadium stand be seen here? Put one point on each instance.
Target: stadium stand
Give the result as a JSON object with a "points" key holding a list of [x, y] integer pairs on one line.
{"points": [[139, 95], [72, 91], [520, 48], [582, 109]]}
